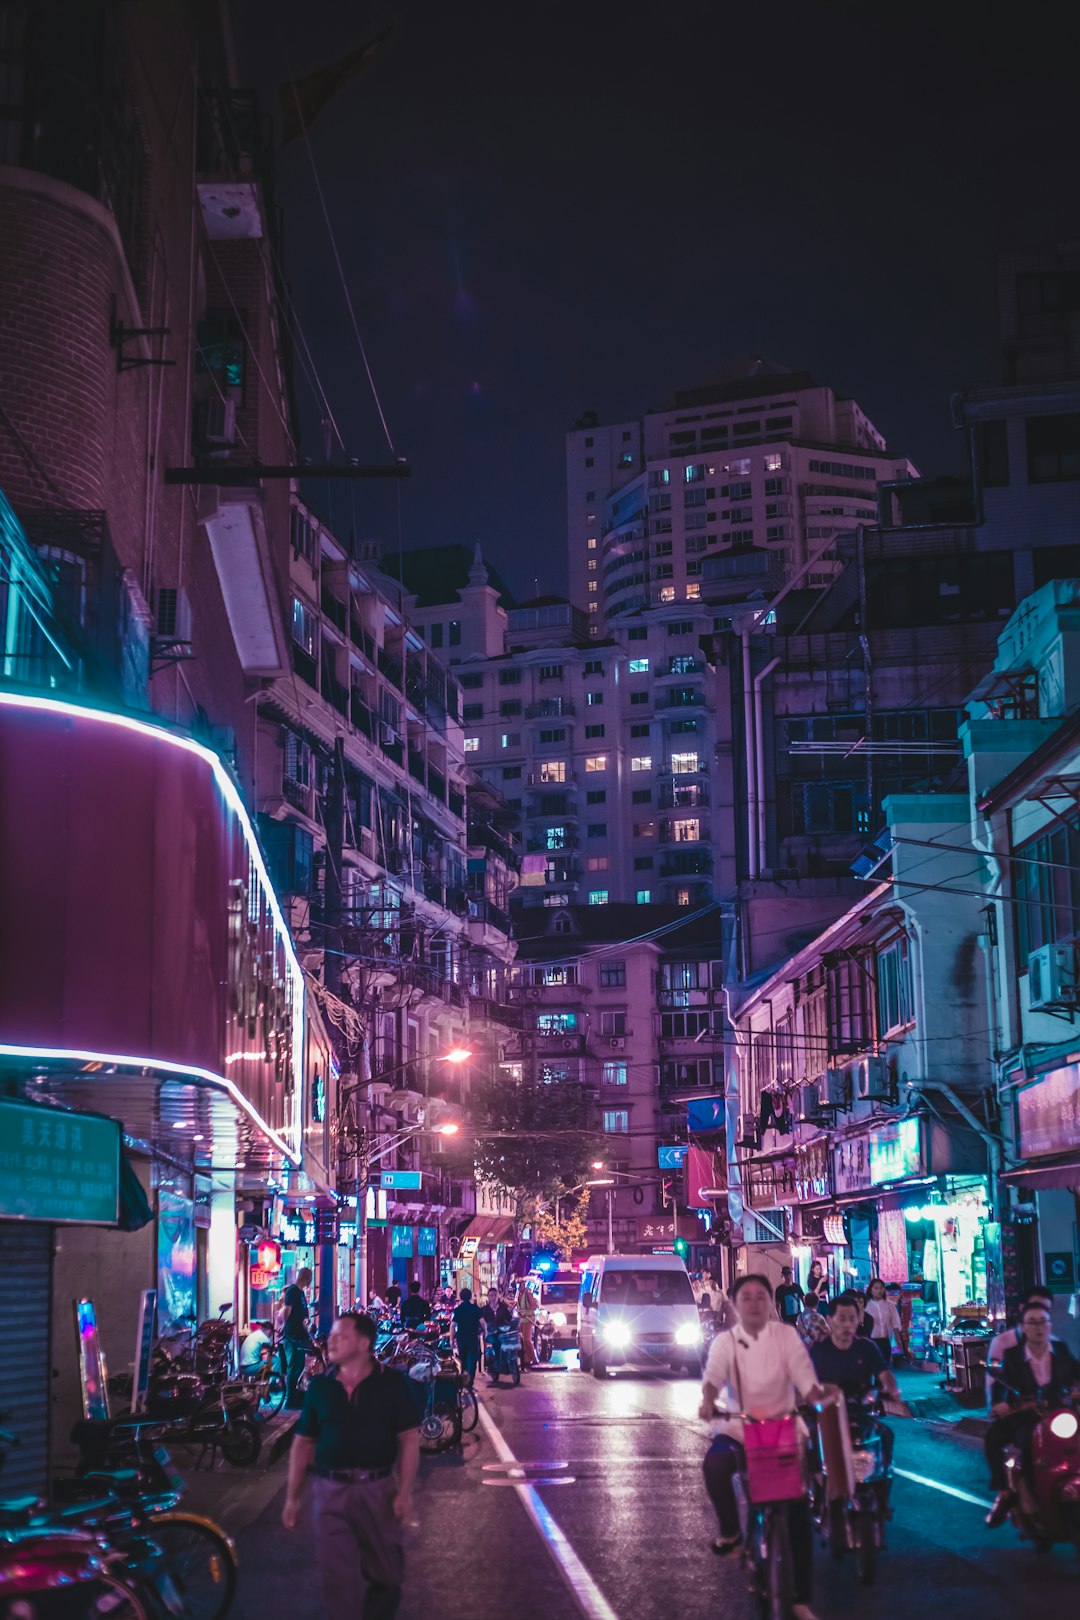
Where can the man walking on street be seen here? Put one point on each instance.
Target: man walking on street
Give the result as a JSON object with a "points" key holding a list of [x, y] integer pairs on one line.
{"points": [[295, 1339], [416, 1309], [789, 1300], [358, 1424], [468, 1321]]}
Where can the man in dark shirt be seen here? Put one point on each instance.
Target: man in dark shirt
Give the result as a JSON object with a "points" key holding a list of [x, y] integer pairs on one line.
{"points": [[853, 1364], [468, 1324], [294, 1334], [415, 1309], [359, 1422], [788, 1298], [393, 1296]]}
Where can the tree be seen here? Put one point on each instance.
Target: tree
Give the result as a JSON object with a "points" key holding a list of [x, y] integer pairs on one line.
{"points": [[564, 1228], [534, 1141]]}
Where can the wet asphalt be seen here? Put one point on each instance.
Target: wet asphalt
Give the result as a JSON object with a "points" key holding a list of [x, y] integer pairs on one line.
{"points": [[617, 1468]]}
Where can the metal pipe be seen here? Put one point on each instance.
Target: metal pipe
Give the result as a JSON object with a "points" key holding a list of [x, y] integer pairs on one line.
{"points": [[759, 762], [748, 744]]}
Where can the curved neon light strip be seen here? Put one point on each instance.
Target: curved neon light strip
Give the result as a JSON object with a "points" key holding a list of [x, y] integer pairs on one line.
{"points": [[188, 1071], [230, 794]]}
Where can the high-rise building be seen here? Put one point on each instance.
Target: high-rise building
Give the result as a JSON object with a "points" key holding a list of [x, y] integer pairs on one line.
{"points": [[766, 458]]}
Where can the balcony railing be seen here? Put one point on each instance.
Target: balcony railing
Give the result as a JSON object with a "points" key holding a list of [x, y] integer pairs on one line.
{"points": [[550, 709], [480, 909], [390, 667], [691, 865], [690, 796], [335, 611]]}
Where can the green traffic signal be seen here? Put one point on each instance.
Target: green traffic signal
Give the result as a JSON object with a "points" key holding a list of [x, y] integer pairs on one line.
{"points": [[681, 1247]]}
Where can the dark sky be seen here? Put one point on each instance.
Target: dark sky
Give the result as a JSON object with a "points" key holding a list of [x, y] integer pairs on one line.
{"points": [[548, 208]]}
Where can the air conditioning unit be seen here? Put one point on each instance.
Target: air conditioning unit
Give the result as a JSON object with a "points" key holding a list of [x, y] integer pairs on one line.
{"points": [[388, 735], [216, 420], [749, 1131], [617, 1043], [871, 1082], [807, 1106], [569, 1044], [173, 614], [366, 843], [1051, 977], [833, 1091], [534, 992]]}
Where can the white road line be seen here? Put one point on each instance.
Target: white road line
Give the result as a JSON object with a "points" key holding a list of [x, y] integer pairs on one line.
{"points": [[948, 1490], [587, 1595]]}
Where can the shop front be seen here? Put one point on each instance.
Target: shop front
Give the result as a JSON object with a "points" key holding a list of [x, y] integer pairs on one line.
{"points": [[1046, 1183], [484, 1253]]}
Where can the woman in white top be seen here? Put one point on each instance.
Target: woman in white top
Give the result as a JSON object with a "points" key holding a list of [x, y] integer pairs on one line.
{"points": [[885, 1317]]}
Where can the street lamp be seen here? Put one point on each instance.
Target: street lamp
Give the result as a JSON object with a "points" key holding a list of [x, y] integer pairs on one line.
{"points": [[609, 1183]]}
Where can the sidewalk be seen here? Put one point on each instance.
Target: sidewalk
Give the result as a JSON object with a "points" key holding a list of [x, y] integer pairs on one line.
{"points": [[938, 1409]]}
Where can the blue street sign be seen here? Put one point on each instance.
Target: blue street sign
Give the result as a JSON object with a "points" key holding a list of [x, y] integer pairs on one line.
{"points": [[705, 1113], [402, 1179], [671, 1158]]}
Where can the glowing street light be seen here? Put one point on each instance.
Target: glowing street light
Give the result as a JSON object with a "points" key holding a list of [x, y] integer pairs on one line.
{"points": [[449, 1128], [457, 1054]]}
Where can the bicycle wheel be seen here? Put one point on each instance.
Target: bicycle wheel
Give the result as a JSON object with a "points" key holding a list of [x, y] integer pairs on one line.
{"points": [[470, 1409], [114, 1599], [276, 1384], [201, 1561], [779, 1567]]}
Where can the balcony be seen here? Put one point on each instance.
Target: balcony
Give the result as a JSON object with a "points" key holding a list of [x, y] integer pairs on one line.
{"points": [[361, 640], [497, 1012], [232, 146], [550, 709], [534, 779], [360, 715], [334, 610], [391, 667], [481, 836], [337, 695], [676, 795], [540, 845], [482, 910], [436, 783], [689, 863], [689, 698]]}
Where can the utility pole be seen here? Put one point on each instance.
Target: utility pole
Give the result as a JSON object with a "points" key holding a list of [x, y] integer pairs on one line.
{"points": [[332, 975], [610, 1223]]}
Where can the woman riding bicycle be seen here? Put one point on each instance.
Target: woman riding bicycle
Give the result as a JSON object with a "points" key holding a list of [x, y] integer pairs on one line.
{"points": [[761, 1367]]}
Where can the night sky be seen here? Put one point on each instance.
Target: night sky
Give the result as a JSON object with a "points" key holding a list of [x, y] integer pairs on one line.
{"points": [[611, 202]]}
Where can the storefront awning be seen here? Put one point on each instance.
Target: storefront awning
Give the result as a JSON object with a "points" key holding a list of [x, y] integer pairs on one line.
{"points": [[1056, 1170], [490, 1229]]}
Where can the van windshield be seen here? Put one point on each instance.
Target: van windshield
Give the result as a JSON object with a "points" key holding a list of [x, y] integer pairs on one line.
{"points": [[558, 1293], [646, 1288]]}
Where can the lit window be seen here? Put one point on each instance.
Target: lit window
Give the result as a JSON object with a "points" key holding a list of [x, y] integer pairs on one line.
{"points": [[591, 544], [472, 745], [641, 762], [686, 832], [597, 762], [592, 586], [592, 609], [554, 770], [556, 899], [693, 592], [739, 468], [639, 666], [644, 829], [555, 837], [644, 897], [592, 565], [667, 593], [683, 897], [598, 897], [774, 462], [616, 1121], [593, 699], [614, 1074], [596, 863], [305, 627], [556, 1023], [695, 473], [684, 764]]}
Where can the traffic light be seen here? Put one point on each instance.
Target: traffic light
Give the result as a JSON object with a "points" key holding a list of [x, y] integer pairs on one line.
{"points": [[682, 1248], [667, 1191]]}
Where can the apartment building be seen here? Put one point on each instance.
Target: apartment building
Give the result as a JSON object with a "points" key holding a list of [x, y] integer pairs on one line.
{"points": [[625, 1001], [768, 459]]}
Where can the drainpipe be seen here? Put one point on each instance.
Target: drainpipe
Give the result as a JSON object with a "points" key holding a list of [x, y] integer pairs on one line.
{"points": [[748, 744], [759, 762]]}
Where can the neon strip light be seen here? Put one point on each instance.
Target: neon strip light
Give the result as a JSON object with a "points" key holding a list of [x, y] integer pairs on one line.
{"points": [[949, 1490], [229, 792], [184, 1070]]}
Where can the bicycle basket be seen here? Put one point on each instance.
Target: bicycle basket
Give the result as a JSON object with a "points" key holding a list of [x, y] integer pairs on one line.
{"points": [[774, 1460]]}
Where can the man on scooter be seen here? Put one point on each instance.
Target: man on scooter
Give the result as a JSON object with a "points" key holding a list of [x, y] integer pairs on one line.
{"points": [[854, 1364], [1037, 1369]]}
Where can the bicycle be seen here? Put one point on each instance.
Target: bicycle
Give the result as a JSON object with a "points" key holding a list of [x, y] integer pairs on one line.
{"points": [[772, 1479]]}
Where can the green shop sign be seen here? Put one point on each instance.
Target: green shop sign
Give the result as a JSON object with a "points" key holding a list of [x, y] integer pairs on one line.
{"points": [[58, 1167]]}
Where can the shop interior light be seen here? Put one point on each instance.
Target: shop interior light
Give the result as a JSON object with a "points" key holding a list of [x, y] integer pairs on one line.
{"points": [[944, 1212]]}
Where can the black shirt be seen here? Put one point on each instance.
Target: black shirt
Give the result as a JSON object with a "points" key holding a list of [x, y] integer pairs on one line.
{"points": [[498, 1317], [393, 1295], [415, 1309], [358, 1430], [296, 1321], [854, 1369], [788, 1302], [467, 1320]]}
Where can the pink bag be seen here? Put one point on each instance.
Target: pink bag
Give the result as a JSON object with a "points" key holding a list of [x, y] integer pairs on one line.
{"points": [[774, 1460]]}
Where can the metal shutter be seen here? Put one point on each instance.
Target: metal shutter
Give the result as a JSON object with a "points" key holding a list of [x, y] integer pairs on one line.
{"points": [[25, 1311]]}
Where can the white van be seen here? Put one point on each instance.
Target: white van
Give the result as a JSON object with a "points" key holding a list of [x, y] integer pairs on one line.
{"points": [[557, 1301], [637, 1310]]}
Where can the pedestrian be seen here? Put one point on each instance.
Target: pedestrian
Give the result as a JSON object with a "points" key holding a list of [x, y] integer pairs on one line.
{"points": [[811, 1326], [788, 1298], [359, 1429], [415, 1309], [816, 1280], [393, 1297], [295, 1339], [886, 1319], [724, 1311], [526, 1309], [468, 1321]]}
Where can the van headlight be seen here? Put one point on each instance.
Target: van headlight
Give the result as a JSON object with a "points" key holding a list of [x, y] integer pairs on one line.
{"points": [[689, 1333], [863, 1464], [558, 1318], [616, 1333]]}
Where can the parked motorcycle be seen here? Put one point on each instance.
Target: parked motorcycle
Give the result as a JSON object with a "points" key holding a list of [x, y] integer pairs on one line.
{"points": [[850, 1496], [219, 1418], [502, 1354], [545, 1339]]}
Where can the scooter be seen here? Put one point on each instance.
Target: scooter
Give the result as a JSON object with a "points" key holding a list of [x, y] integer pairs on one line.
{"points": [[850, 1496], [502, 1354], [1048, 1511], [545, 1339]]}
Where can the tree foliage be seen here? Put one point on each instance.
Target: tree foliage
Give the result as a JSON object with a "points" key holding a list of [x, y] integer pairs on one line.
{"points": [[544, 1137], [563, 1226]]}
